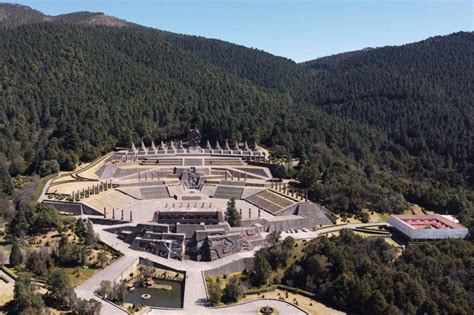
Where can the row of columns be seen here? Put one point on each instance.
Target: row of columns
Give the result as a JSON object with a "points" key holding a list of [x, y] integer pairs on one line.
{"points": [[196, 205], [239, 176], [286, 189], [145, 176], [250, 212], [128, 157], [122, 218], [256, 158], [251, 157], [91, 190]]}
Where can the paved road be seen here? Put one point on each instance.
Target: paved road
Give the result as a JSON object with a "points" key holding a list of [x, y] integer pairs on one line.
{"points": [[244, 308], [252, 307], [330, 229], [45, 189]]}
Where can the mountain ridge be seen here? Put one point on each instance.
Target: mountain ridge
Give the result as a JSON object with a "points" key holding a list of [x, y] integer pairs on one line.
{"points": [[15, 15], [372, 129]]}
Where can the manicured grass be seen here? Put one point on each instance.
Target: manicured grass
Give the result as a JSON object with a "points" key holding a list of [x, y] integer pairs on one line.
{"points": [[384, 216], [221, 280], [306, 303], [79, 275], [296, 254]]}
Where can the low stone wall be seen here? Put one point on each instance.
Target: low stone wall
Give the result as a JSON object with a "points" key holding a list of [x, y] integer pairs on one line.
{"points": [[228, 308], [272, 167], [126, 272], [293, 222], [251, 222], [234, 266], [183, 283], [119, 308], [89, 210], [288, 210], [102, 221], [161, 266], [69, 207], [283, 225]]}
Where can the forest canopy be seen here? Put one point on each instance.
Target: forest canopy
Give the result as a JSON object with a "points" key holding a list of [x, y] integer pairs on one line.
{"points": [[363, 275], [373, 129]]}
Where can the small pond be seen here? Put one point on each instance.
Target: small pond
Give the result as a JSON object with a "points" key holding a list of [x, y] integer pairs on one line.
{"points": [[159, 297]]}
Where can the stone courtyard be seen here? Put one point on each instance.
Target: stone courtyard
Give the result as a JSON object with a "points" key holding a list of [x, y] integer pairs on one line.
{"points": [[174, 196]]}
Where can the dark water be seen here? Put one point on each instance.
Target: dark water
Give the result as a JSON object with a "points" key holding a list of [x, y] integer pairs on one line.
{"points": [[159, 297]]}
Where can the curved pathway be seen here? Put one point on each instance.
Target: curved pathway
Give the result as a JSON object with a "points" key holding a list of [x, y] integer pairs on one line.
{"points": [[330, 229]]}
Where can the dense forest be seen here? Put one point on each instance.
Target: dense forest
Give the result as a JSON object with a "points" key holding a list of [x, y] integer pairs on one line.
{"points": [[373, 129], [367, 276]]}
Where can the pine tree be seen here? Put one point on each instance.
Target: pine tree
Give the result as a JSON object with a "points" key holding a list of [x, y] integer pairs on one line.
{"points": [[215, 292], [16, 256], [231, 214], [60, 290], [25, 297], [6, 184], [261, 268], [232, 291]]}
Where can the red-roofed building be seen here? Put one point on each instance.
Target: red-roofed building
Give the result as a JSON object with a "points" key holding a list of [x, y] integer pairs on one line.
{"points": [[425, 228]]}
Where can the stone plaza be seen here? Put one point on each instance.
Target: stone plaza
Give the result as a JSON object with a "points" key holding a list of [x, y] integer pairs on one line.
{"points": [[175, 197]]}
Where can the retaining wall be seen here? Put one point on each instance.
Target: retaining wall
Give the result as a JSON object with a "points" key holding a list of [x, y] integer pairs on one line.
{"points": [[234, 266]]}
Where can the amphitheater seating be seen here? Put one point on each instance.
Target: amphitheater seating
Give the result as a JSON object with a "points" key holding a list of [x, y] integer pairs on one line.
{"points": [[222, 162], [122, 172], [173, 162], [143, 183], [270, 201], [193, 162], [148, 162], [232, 183], [264, 204], [228, 192], [156, 192], [218, 172], [256, 171], [276, 198]]}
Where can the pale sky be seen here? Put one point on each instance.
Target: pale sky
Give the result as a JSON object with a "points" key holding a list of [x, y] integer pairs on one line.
{"points": [[300, 30]]}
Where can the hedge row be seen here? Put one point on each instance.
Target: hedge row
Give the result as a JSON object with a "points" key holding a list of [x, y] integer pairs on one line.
{"points": [[273, 287]]}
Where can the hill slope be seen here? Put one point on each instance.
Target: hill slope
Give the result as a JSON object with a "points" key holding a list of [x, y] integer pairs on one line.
{"points": [[14, 15], [372, 128]]}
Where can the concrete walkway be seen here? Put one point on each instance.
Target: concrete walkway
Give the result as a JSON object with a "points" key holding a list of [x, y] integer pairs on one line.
{"points": [[330, 229], [252, 307], [243, 308], [112, 272]]}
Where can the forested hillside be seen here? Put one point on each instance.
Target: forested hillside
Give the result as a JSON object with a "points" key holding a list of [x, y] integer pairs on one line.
{"points": [[365, 275], [372, 129]]}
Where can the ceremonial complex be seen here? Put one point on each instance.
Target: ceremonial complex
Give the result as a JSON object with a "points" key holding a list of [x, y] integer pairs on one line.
{"points": [[170, 199]]}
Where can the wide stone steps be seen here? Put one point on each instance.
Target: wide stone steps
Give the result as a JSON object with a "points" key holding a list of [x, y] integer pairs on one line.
{"points": [[156, 192], [228, 192]]}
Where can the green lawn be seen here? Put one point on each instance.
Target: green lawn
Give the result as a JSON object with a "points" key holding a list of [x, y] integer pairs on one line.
{"points": [[296, 254], [79, 275], [222, 281]]}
